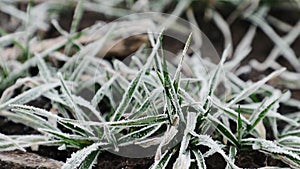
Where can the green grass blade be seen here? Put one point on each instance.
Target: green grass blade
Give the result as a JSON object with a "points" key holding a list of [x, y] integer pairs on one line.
{"points": [[29, 95], [239, 126], [213, 81], [149, 102], [80, 156], [43, 69], [199, 158], [81, 59], [69, 139], [84, 103], [164, 160], [157, 119], [127, 97], [28, 119], [171, 94], [139, 134], [277, 151], [76, 128], [232, 155], [13, 142], [295, 132], [208, 141], [254, 87], [68, 96], [261, 115], [101, 92], [190, 126], [75, 21], [230, 112], [16, 144], [183, 161], [35, 110], [223, 130], [90, 160], [176, 78]]}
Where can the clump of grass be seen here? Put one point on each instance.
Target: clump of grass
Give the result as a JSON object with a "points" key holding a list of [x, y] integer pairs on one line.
{"points": [[151, 99]]}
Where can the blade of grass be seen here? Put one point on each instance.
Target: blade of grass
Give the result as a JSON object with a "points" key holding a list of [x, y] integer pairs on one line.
{"points": [[29, 95], [254, 87], [223, 130], [183, 160], [215, 78], [208, 141], [76, 128], [90, 160], [156, 119], [82, 57], [279, 152], [80, 157], [164, 160], [261, 116], [70, 139], [101, 92], [232, 155], [171, 94], [139, 134], [5, 137], [80, 114], [43, 69], [230, 112], [75, 22], [25, 117], [199, 158], [68, 96], [133, 85], [239, 126], [127, 97], [176, 78]]}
